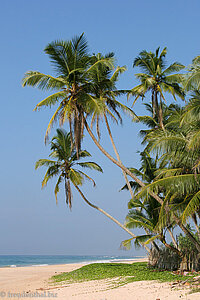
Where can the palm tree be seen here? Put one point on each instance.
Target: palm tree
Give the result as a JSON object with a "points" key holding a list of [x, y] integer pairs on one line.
{"points": [[103, 87], [64, 166], [144, 212], [146, 215], [192, 77], [173, 161], [180, 176], [157, 79], [73, 66], [74, 91]]}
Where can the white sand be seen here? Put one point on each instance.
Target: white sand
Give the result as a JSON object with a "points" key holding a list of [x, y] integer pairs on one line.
{"points": [[30, 280]]}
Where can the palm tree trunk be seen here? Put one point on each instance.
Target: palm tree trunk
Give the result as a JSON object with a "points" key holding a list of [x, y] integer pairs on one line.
{"points": [[155, 246], [156, 103], [153, 104], [124, 173], [194, 218], [162, 238], [153, 243], [117, 155], [173, 238], [109, 216], [160, 115], [156, 197], [119, 164], [187, 232], [158, 109]]}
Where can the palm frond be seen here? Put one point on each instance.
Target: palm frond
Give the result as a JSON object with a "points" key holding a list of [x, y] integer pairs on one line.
{"points": [[90, 165], [126, 244], [192, 207], [51, 100], [52, 121], [186, 183], [175, 67], [57, 187], [44, 162], [42, 81]]}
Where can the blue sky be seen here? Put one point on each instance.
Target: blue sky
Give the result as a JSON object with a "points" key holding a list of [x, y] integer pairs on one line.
{"points": [[30, 222]]}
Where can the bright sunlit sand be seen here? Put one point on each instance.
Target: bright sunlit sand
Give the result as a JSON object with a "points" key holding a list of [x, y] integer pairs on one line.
{"points": [[35, 281]]}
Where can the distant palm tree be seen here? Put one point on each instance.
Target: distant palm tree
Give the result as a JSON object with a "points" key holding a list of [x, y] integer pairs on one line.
{"points": [[192, 77], [157, 79], [63, 163]]}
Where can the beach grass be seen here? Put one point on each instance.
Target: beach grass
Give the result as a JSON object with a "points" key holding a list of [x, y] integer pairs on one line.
{"points": [[129, 272]]}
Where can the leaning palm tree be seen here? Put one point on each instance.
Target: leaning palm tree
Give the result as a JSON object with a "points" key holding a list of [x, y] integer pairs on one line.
{"points": [[103, 87], [75, 94], [63, 163], [73, 64], [157, 79]]}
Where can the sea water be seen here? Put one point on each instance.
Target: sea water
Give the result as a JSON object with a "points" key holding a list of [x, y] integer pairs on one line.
{"points": [[43, 260]]}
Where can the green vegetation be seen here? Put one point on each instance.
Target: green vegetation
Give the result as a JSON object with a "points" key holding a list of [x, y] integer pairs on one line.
{"points": [[64, 163], [129, 272], [165, 190]]}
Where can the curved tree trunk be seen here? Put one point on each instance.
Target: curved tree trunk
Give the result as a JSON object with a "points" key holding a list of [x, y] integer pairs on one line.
{"points": [[124, 173], [109, 216], [173, 238], [118, 157], [194, 218], [162, 238], [156, 197]]}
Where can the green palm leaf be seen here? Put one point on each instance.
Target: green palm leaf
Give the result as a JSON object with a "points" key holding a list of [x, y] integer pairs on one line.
{"points": [[42, 81]]}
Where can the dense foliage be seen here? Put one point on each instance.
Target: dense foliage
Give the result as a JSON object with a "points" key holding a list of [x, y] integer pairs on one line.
{"points": [[165, 190], [128, 272]]}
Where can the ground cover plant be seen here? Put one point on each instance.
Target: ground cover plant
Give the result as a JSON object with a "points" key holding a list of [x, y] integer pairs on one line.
{"points": [[129, 272]]}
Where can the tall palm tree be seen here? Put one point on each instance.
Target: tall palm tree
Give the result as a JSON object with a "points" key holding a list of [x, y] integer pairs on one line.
{"points": [[74, 90], [174, 160], [157, 79], [180, 176], [76, 101], [73, 65], [63, 164]]}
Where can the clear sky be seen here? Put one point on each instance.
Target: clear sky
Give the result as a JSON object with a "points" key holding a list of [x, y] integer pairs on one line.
{"points": [[30, 221]]}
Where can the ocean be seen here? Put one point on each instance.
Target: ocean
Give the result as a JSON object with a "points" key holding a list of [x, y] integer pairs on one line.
{"points": [[42, 260]]}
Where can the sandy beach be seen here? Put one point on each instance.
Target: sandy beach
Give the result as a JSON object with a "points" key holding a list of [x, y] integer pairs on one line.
{"points": [[34, 282]]}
